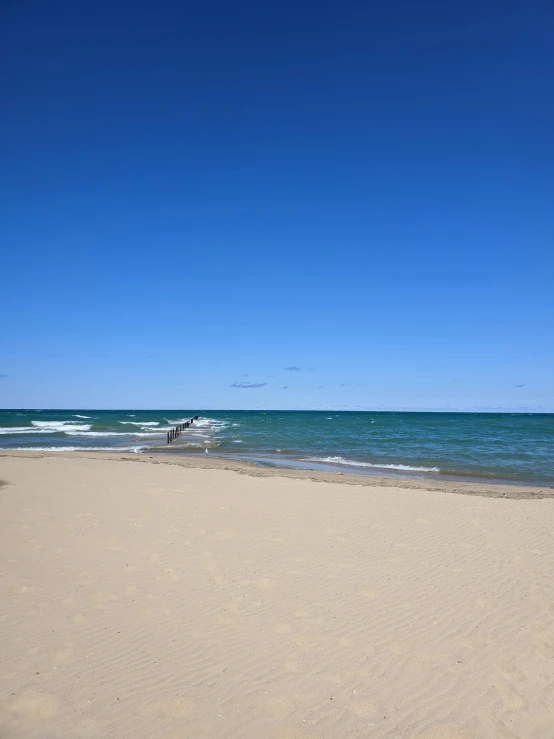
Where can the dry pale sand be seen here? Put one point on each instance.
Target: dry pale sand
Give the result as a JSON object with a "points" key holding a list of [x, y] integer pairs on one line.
{"points": [[154, 600]]}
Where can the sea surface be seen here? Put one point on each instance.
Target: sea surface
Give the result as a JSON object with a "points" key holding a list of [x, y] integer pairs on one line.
{"points": [[511, 447]]}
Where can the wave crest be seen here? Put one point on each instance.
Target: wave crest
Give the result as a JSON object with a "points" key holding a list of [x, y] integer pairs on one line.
{"points": [[355, 463]]}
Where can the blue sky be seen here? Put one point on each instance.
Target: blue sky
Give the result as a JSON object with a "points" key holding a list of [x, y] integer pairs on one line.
{"points": [[197, 197]]}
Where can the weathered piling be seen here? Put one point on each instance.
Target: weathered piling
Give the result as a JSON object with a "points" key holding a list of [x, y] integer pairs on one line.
{"points": [[177, 430]]}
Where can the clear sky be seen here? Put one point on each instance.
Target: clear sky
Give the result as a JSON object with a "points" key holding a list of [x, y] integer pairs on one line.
{"points": [[197, 196]]}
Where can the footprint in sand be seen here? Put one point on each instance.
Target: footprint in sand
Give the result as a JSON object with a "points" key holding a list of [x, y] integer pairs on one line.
{"points": [[35, 705], [508, 671], [398, 648], [101, 601], [62, 656], [277, 708], [282, 628], [512, 698], [545, 645], [362, 708], [169, 575]]}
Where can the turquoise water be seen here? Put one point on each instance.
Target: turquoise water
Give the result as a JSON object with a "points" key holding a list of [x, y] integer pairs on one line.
{"points": [[515, 447]]}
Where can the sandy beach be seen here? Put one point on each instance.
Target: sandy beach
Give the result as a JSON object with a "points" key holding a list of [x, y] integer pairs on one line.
{"points": [[146, 599]]}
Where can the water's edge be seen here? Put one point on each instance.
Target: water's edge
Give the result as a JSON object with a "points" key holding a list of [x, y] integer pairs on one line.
{"points": [[513, 491], [510, 448]]}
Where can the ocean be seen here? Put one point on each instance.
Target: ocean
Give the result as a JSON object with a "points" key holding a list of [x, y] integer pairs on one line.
{"points": [[509, 447]]}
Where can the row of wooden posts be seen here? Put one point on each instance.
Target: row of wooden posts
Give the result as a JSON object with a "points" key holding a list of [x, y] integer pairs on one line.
{"points": [[173, 433]]}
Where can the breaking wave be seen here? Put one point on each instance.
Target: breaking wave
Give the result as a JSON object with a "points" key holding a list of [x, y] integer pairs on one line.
{"points": [[355, 463]]}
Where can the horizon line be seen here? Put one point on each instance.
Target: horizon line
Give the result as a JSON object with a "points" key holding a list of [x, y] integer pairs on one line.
{"points": [[299, 410]]}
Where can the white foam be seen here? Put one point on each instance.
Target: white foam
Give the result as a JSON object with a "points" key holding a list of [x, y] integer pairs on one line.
{"points": [[354, 463], [113, 433], [22, 430], [213, 424], [96, 433], [141, 423], [76, 415], [135, 449], [56, 426]]}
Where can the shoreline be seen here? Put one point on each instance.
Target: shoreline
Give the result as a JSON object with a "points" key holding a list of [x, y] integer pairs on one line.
{"points": [[514, 491]]}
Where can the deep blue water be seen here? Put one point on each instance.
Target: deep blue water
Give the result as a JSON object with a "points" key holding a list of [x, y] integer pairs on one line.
{"points": [[516, 447]]}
